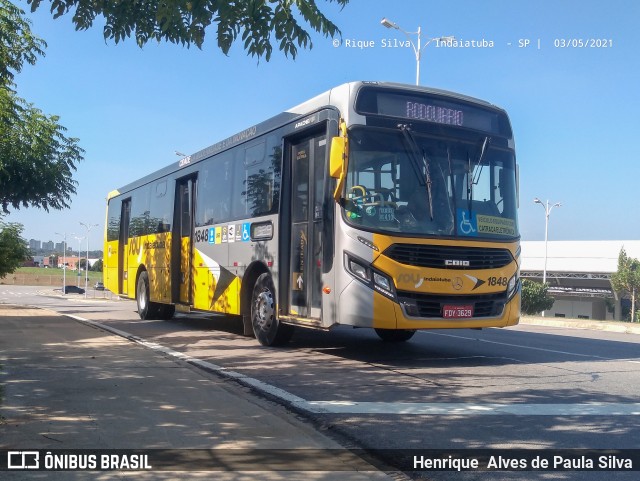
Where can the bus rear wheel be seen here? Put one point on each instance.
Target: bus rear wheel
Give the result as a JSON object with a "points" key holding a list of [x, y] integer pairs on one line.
{"points": [[395, 335], [268, 329], [146, 309]]}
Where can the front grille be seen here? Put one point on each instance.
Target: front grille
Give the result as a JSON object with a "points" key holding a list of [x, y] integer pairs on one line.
{"points": [[459, 257], [430, 305]]}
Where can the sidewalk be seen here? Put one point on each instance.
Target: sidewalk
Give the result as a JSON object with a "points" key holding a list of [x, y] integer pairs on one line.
{"points": [[66, 385]]}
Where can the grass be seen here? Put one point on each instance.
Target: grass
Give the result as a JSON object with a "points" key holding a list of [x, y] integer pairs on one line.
{"points": [[37, 276], [41, 271]]}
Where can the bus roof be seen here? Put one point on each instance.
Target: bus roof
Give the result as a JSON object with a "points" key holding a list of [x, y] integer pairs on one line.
{"points": [[338, 96]]}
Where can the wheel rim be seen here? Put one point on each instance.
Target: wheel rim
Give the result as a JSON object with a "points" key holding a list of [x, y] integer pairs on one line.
{"points": [[264, 310], [142, 296]]}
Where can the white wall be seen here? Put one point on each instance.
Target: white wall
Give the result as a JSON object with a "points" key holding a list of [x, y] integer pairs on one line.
{"points": [[571, 308]]}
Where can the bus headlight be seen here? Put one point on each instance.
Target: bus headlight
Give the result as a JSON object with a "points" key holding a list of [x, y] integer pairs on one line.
{"points": [[373, 278], [358, 270], [382, 281], [512, 286]]}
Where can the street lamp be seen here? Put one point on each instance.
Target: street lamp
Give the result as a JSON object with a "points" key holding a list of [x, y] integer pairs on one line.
{"points": [[86, 264], [79, 239], [64, 261], [385, 22], [547, 210]]}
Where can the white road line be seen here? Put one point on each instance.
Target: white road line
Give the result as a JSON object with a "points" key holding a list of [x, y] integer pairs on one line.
{"points": [[474, 409], [528, 347], [396, 408]]}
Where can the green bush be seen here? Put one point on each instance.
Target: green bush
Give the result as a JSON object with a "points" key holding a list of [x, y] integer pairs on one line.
{"points": [[535, 297]]}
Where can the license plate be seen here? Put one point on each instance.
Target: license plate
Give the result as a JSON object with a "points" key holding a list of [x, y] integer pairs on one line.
{"points": [[457, 312]]}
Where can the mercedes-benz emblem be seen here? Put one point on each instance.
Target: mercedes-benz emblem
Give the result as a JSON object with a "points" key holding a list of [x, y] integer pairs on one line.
{"points": [[457, 282]]}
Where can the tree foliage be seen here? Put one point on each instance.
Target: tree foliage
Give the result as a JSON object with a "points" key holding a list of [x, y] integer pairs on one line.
{"points": [[626, 280], [13, 248], [535, 297], [97, 266], [255, 22], [36, 158]]}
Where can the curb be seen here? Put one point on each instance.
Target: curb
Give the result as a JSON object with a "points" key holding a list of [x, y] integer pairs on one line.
{"points": [[608, 326]]}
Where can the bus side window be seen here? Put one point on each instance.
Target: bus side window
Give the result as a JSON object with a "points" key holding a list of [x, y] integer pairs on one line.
{"points": [[113, 226], [215, 187], [261, 183]]}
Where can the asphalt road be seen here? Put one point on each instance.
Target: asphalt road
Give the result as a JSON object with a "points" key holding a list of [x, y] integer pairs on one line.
{"points": [[527, 387]]}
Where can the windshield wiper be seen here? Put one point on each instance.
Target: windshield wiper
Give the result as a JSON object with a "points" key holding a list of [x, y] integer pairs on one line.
{"points": [[483, 151], [424, 177], [473, 175], [425, 159], [413, 152]]}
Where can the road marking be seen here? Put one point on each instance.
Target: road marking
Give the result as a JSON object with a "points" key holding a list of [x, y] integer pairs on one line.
{"points": [[473, 409], [389, 408], [529, 347]]}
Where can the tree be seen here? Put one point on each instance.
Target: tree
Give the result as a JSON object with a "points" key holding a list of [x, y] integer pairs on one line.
{"points": [[626, 280], [186, 21], [36, 158], [13, 248], [97, 266], [535, 297]]}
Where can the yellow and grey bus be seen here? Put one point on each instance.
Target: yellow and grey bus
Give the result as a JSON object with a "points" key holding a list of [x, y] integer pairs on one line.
{"points": [[375, 205]]}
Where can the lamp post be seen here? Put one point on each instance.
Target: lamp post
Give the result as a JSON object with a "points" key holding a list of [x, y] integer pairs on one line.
{"points": [[79, 239], [547, 210], [417, 49], [64, 261], [86, 265]]}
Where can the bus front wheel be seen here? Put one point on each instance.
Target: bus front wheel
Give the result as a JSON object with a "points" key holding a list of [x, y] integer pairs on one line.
{"points": [[268, 329], [395, 335]]}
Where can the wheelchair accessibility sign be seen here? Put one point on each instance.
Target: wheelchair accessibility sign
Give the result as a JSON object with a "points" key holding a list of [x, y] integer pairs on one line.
{"points": [[470, 224], [467, 223]]}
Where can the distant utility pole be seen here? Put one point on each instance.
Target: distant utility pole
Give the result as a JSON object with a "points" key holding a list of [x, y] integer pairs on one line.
{"points": [[417, 49], [64, 261], [86, 265], [547, 212]]}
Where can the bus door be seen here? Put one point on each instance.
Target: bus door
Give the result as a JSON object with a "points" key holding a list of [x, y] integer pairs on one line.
{"points": [[123, 247], [181, 244], [307, 197]]}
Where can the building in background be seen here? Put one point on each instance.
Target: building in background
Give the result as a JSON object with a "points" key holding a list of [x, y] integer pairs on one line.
{"points": [[579, 275]]}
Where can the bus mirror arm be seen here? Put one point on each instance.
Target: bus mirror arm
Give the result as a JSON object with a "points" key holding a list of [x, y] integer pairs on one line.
{"points": [[337, 163]]}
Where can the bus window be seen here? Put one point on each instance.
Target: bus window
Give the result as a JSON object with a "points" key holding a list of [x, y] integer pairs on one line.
{"points": [[140, 213], [261, 183], [113, 222], [215, 185], [161, 209]]}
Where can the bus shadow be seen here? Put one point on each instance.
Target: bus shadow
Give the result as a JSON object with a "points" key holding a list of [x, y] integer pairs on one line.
{"points": [[464, 346]]}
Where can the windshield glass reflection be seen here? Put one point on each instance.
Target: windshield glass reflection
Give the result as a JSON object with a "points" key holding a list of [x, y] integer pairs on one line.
{"points": [[408, 183]]}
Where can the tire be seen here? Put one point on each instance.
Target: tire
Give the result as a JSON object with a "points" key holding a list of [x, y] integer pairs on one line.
{"points": [[146, 309], [267, 328], [395, 335]]}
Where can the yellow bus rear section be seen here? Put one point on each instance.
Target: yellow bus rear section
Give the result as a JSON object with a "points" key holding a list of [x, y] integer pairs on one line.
{"points": [[208, 287]]}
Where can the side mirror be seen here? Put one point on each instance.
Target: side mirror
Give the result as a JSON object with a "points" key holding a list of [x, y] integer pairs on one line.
{"points": [[338, 154], [338, 163]]}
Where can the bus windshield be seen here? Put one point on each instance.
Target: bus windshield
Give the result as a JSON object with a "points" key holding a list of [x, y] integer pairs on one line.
{"points": [[408, 183]]}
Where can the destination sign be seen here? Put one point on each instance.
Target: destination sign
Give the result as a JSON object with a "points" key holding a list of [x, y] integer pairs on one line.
{"points": [[432, 108]]}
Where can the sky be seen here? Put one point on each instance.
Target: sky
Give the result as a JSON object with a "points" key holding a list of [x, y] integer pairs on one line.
{"points": [[574, 110]]}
